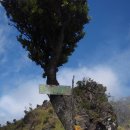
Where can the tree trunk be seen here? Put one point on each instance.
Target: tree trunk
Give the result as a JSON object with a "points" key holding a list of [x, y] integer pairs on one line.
{"points": [[51, 76], [61, 104], [62, 107]]}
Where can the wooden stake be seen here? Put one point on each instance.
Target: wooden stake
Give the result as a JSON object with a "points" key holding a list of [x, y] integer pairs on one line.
{"points": [[72, 110]]}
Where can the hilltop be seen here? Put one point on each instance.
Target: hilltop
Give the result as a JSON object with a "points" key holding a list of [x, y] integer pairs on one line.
{"points": [[91, 110]]}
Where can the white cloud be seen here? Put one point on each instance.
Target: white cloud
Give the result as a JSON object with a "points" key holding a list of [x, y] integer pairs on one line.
{"points": [[13, 103], [100, 74], [120, 63]]}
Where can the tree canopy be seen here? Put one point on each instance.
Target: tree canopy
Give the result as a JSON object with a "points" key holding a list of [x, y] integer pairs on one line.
{"points": [[49, 29]]}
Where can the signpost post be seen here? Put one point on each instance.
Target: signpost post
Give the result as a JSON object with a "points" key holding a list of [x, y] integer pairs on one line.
{"points": [[72, 101]]}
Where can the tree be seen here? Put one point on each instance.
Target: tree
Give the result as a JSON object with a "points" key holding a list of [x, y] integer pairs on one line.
{"points": [[49, 31]]}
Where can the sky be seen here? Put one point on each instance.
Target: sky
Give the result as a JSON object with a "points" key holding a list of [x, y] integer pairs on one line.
{"points": [[103, 55]]}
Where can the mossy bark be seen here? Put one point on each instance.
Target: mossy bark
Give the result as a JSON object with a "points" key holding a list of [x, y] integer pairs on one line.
{"points": [[62, 107]]}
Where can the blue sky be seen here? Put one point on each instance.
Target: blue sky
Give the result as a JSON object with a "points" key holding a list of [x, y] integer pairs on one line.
{"points": [[103, 55]]}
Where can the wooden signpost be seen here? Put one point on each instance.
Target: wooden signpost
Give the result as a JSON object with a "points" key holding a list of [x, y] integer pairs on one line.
{"points": [[55, 90]]}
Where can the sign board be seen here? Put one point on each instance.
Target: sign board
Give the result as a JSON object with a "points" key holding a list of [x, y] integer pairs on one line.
{"points": [[55, 90]]}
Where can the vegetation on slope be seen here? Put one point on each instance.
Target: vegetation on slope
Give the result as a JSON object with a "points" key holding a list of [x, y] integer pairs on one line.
{"points": [[41, 118]]}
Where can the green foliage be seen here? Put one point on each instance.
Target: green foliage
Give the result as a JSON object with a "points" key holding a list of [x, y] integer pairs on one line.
{"points": [[49, 29], [50, 111], [91, 100]]}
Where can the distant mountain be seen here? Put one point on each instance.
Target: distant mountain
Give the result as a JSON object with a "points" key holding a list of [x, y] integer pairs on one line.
{"points": [[122, 110]]}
